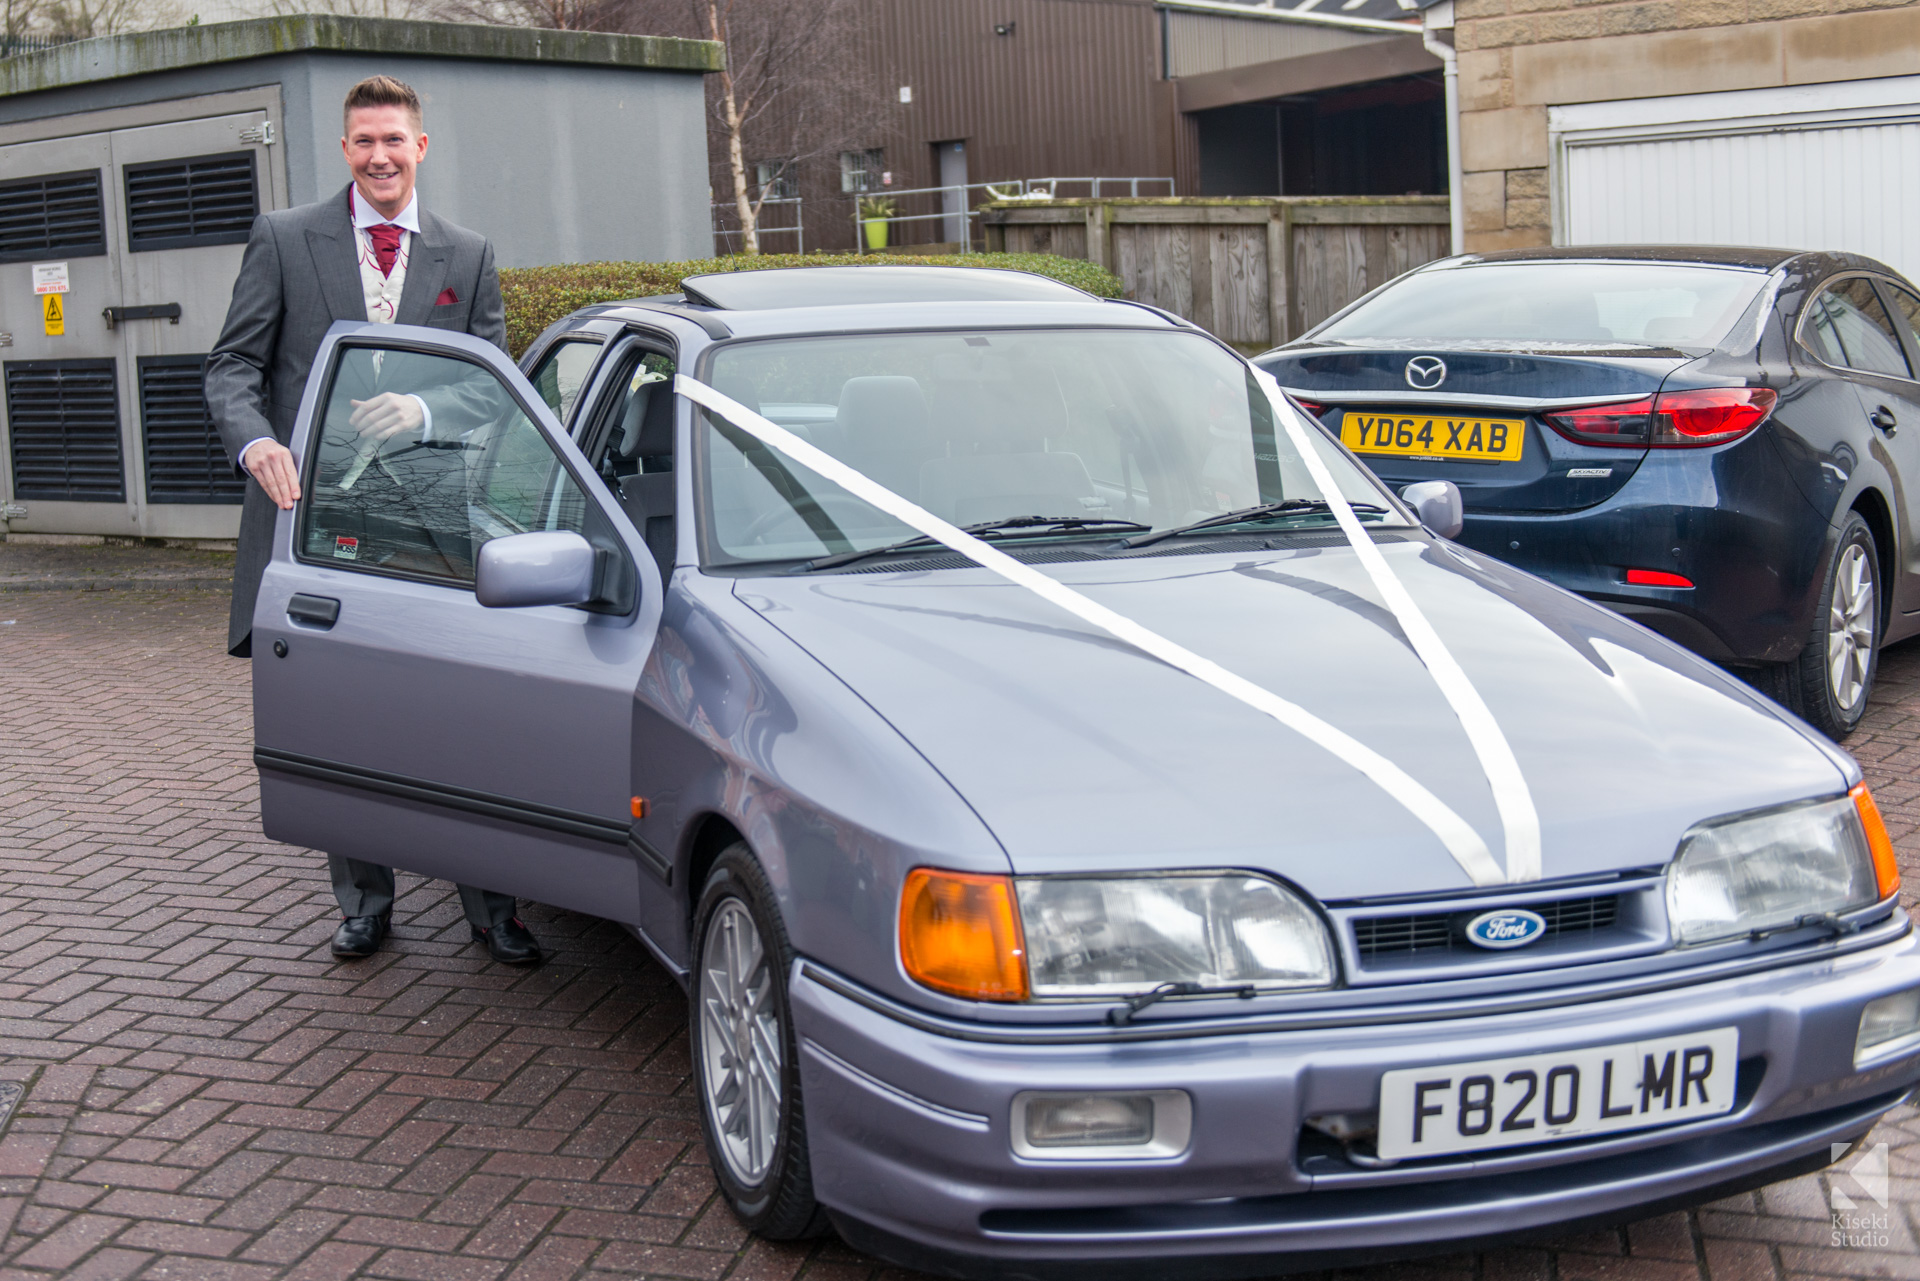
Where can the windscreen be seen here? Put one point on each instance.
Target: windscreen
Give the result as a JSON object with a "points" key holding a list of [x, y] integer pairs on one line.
{"points": [[1107, 432], [1657, 304]]}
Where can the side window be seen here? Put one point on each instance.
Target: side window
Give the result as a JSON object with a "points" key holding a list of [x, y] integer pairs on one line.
{"points": [[562, 372], [637, 429], [1848, 326], [419, 460], [1906, 310]]}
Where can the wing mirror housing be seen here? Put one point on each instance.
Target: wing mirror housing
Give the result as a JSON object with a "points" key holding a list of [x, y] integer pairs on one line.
{"points": [[549, 567], [1438, 505]]}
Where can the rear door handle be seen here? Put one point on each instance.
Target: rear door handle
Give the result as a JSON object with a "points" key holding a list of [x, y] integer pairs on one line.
{"points": [[1883, 418], [317, 611]]}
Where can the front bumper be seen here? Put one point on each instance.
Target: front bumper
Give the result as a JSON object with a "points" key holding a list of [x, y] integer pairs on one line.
{"points": [[909, 1128]]}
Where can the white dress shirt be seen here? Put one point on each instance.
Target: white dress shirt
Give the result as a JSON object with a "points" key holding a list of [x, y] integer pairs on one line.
{"points": [[381, 292]]}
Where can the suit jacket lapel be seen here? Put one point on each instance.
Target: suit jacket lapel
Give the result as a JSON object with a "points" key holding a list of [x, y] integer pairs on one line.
{"points": [[336, 261], [426, 272]]}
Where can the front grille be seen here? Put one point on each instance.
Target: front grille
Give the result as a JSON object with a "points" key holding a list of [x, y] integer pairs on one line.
{"points": [[64, 420], [1378, 936], [186, 463], [57, 215], [204, 200]]}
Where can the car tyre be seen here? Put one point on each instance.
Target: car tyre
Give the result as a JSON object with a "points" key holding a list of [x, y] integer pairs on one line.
{"points": [[745, 1068], [1829, 684]]}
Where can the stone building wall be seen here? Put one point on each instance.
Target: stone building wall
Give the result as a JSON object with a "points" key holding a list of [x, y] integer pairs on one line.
{"points": [[1518, 57]]}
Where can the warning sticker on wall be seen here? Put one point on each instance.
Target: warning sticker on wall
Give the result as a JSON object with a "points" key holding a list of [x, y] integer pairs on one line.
{"points": [[50, 277], [54, 314]]}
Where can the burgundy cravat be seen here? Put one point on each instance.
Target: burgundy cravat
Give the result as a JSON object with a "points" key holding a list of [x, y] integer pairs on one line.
{"points": [[386, 245]]}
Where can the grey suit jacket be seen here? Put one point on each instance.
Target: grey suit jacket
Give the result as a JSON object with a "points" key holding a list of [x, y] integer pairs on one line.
{"points": [[301, 273]]}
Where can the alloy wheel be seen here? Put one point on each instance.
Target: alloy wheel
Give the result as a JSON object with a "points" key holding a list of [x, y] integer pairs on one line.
{"points": [[1850, 627], [741, 1059]]}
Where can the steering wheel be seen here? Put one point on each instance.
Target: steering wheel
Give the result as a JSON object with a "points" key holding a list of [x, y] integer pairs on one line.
{"points": [[828, 503]]}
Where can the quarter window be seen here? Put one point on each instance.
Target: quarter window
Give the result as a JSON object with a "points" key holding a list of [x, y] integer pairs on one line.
{"points": [[1847, 326], [420, 502], [563, 371]]}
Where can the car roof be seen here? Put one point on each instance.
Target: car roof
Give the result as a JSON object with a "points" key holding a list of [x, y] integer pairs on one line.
{"points": [[1753, 257], [779, 288]]}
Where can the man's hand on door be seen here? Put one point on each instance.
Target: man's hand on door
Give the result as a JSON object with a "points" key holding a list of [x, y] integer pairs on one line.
{"points": [[271, 463], [384, 416]]}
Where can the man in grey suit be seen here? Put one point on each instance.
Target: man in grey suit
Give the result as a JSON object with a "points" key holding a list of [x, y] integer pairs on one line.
{"points": [[368, 253]]}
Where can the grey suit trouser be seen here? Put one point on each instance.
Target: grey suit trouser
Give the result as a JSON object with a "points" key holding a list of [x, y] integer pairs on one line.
{"points": [[366, 889]]}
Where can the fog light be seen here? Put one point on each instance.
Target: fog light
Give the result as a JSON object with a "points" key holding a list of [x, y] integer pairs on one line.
{"points": [[1886, 1022], [1101, 1126]]}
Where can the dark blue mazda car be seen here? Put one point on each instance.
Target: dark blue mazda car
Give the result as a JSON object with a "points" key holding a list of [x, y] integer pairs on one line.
{"points": [[1719, 443]]}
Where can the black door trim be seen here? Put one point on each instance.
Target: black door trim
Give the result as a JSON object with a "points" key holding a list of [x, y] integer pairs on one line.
{"points": [[488, 804]]}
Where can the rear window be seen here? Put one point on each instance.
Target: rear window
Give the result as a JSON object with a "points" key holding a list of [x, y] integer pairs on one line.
{"points": [[1661, 304]]}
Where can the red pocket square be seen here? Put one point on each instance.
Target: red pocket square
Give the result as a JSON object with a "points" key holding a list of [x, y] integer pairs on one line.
{"points": [[446, 299]]}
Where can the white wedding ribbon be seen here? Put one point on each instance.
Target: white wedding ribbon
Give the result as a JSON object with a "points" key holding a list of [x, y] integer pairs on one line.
{"points": [[1511, 796], [1454, 832]]}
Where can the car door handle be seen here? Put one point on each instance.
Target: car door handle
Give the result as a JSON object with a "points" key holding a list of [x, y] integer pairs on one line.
{"points": [[1883, 418], [319, 611]]}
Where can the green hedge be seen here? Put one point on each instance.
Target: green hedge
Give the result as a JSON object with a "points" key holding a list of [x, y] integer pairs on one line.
{"points": [[538, 296]]}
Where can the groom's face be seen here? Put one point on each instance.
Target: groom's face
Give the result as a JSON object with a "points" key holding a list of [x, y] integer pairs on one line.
{"points": [[383, 147]]}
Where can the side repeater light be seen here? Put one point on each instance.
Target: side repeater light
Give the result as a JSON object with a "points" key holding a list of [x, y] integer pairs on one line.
{"points": [[960, 934], [1886, 869]]}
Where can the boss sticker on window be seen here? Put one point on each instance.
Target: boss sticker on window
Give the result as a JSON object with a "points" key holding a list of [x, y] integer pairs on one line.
{"points": [[345, 548]]}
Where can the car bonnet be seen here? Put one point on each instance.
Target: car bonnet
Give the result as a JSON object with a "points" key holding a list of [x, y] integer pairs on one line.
{"points": [[1082, 754]]}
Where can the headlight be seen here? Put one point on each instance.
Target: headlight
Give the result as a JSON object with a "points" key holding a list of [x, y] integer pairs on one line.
{"points": [[1768, 870], [1092, 938]]}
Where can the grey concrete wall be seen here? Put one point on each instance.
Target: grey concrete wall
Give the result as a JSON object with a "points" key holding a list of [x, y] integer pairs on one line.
{"points": [[552, 162]]}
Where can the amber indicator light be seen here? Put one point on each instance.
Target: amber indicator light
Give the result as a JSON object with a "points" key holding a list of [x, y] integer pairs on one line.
{"points": [[960, 934], [639, 807], [1885, 869]]}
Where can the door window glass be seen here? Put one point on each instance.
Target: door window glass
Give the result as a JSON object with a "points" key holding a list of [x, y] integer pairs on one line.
{"points": [[562, 372], [420, 460], [1906, 310], [1847, 326]]}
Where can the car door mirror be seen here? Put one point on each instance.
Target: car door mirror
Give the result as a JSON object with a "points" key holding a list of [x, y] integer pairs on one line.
{"points": [[548, 567], [1438, 505]]}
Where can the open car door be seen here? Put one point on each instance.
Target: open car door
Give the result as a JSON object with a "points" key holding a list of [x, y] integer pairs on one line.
{"points": [[396, 718]]}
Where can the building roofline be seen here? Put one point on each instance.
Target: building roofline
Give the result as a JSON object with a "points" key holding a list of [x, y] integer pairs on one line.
{"points": [[174, 48], [1228, 9]]}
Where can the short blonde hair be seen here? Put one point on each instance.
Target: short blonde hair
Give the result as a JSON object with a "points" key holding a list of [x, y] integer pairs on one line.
{"points": [[382, 91]]}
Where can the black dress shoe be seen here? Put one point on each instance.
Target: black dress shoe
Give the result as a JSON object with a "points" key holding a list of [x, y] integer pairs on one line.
{"points": [[509, 942], [359, 936]]}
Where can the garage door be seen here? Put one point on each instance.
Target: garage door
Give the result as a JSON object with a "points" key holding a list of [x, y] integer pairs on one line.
{"points": [[1810, 167]]}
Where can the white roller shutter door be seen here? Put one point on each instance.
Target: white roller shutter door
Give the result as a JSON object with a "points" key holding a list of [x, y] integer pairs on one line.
{"points": [[1811, 167]]}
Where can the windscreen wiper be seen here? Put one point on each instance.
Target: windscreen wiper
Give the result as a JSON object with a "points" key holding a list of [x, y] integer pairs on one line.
{"points": [[1287, 507], [1005, 524], [1122, 1014]]}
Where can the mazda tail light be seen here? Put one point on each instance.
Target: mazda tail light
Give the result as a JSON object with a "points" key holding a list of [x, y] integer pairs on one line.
{"points": [[1709, 416], [1671, 420], [1627, 424]]}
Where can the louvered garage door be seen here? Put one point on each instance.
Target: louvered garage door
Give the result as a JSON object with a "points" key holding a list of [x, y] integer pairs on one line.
{"points": [[64, 420], [205, 200], [1810, 167], [57, 215], [186, 463]]}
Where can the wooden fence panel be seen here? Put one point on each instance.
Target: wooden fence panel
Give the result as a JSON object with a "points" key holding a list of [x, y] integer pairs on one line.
{"points": [[1253, 271]]}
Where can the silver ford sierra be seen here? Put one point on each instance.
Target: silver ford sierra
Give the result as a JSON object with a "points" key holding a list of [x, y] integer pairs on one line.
{"points": [[1099, 826]]}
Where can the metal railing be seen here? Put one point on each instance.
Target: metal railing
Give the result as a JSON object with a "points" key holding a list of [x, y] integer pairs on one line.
{"points": [[11, 45], [957, 203], [730, 240]]}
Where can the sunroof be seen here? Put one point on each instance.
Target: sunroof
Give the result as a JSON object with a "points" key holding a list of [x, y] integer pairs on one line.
{"points": [[854, 286]]}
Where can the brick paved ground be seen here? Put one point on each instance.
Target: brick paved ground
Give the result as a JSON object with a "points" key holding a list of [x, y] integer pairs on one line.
{"points": [[210, 1095]]}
